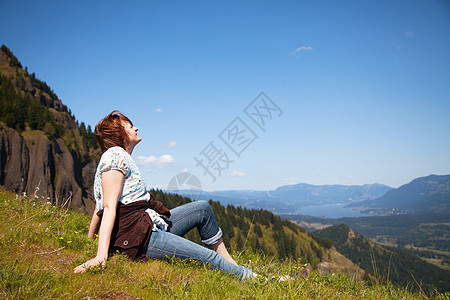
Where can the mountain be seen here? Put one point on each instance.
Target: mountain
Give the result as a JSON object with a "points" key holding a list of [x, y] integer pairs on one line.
{"points": [[291, 198], [430, 194], [44, 151], [385, 263], [308, 194]]}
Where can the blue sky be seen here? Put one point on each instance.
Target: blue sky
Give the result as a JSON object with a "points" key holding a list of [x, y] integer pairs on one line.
{"points": [[363, 87]]}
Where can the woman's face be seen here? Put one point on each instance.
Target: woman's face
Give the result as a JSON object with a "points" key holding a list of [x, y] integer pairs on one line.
{"points": [[133, 138]]}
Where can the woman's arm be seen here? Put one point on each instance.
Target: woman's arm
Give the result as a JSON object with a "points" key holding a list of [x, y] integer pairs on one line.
{"points": [[95, 224], [112, 184]]}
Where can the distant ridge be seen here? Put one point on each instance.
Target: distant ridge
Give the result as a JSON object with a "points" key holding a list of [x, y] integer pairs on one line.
{"points": [[291, 198], [429, 194]]}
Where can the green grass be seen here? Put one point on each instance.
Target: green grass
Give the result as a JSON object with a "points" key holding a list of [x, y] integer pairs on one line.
{"points": [[41, 244]]}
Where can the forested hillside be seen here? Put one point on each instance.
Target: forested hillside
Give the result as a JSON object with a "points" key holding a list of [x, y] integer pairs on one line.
{"points": [[424, 235], [44, 150], [387, 263], [28, 103]]}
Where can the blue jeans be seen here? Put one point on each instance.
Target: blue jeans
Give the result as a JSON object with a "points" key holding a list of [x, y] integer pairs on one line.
{"points": [[171, 243]]}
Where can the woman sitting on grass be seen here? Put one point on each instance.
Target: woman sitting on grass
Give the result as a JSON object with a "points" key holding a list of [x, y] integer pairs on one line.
{"points": [[132, 221]]}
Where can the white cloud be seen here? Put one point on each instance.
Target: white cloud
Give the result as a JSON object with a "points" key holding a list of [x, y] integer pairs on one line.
{"points": [[165, 159], [169, 144], [237, 173], [302, 48], [158, 110], [147, 160], [410, 34]]}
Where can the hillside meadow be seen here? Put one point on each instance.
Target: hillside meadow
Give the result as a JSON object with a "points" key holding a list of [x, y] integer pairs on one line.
{"points": [[42, 243]]}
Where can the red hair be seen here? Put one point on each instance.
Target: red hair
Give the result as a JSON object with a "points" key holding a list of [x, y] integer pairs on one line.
{"points": [[110, 131]]}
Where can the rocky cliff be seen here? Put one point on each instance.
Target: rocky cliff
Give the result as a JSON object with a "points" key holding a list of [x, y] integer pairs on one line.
{"points": [[52, 161]]}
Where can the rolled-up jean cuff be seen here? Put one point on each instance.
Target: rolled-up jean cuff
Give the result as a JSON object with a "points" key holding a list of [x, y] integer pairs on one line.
{"points": [[213, 240]]}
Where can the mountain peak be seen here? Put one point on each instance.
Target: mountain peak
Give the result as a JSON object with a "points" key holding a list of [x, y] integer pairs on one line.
{"points": [[424, 194]]}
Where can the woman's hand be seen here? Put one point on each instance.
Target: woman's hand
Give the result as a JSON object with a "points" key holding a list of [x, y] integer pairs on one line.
{"points": [[96, 261]]}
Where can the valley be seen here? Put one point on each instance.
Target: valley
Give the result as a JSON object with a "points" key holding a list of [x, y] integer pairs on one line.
{"points": [[425, 235]]}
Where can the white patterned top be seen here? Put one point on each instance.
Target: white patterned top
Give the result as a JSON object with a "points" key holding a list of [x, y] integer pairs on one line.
{"points": [[116, 158]]}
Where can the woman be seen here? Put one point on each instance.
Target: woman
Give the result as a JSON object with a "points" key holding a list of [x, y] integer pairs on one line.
{"points": [[131, 220]]}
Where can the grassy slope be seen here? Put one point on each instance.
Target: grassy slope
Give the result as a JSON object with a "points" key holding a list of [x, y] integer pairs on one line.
{"points": [[41, 244]]}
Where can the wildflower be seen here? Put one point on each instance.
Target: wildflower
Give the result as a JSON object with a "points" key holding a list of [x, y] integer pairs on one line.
{"points": [[76, 231], [61, 238], [68, 242]]}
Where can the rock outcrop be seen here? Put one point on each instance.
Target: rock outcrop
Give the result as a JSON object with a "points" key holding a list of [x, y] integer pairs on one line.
{"points": [[14, 160], [45, 169], [54, 162]]}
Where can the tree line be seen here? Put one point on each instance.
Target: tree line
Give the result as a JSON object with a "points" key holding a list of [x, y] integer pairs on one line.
{"points": [[22, 111]]}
